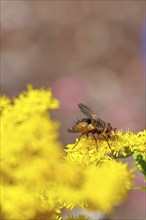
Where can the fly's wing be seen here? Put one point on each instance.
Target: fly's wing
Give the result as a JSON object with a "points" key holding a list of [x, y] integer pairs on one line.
{"points": [[87, 111]]}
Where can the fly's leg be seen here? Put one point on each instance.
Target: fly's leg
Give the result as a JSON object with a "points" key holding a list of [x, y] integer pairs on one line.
{"points": [[106, 141], [94, 137], [80, 139]]}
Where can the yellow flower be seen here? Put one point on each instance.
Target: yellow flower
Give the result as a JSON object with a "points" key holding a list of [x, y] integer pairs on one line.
{"points": [[107, 185], [87, 152], [29, 139], [39, 179], [129, 143], [4, 103], [99, 187]]}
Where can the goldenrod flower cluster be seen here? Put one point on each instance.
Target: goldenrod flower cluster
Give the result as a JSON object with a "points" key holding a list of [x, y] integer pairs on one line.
{"points": [[28, 138], [87, 151], [39, 178]]}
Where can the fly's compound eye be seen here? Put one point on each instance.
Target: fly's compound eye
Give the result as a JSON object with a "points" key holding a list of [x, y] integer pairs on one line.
{"points": [[109, 127]]}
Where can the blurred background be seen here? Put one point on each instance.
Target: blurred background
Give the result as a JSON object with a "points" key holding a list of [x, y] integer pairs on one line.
{"points": [[85, 51]]}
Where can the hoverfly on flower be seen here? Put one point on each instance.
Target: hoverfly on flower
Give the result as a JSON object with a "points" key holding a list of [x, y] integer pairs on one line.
{"points": [[92, 125]]}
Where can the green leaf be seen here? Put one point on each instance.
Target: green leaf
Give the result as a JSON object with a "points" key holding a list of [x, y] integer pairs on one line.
{"points": [[140, 188]]}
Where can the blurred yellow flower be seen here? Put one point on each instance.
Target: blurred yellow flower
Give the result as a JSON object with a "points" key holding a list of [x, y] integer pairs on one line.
{"points": [[28, 139], [107, 185], [39, 178]]}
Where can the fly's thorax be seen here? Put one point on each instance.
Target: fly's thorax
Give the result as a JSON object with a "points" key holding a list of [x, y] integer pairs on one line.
{"points": [[87, 120], [99, 123]]}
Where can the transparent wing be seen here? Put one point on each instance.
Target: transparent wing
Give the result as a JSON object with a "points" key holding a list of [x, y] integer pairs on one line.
{"points": [[87, 111]]}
